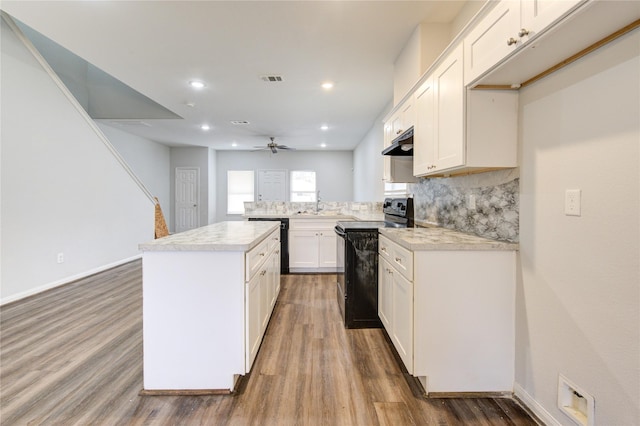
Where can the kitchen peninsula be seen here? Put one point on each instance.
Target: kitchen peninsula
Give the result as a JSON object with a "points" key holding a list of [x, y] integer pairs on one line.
{"points": [[208, 294]]}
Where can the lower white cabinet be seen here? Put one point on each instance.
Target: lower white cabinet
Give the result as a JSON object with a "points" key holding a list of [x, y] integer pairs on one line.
{"points": [[395, 309], [261, 293], [312, 245], [450, 315], [205, 311]]}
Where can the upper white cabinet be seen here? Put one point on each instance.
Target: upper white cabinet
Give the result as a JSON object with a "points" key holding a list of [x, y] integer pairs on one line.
{"points": [[399, 169], [492, 39], [449, 112], [536, 15], [423, 151], [459, 130], [510, 25]]}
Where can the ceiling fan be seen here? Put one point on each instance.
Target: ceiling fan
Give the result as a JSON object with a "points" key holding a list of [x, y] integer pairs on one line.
{"points": [[273, 146]]}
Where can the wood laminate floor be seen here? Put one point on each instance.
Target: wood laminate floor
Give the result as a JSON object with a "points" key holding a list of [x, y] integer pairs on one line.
{"points": [[73, 356]]}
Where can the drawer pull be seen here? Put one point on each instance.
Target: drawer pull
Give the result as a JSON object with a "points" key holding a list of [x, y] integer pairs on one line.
{"points": [[399, 260]]}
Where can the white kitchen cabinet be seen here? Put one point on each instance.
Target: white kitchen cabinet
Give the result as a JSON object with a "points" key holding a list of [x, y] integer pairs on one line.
{"points": [[263, 263], [423, 140], [506, 29], [385, 293], [398, 169], [450, 315], [537, 15], [312, 245], [254, 319], [464, 320], [395, 298], [206, 303], [460, 130], [327, 256], [449, 112]]}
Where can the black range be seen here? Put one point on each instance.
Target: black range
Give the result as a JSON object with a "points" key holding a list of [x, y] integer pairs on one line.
{"points": [[357, 261]]}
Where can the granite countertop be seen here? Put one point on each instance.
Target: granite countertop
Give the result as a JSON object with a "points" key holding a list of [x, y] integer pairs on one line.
{"points": [[354, 215], [221, 236], [434, 238]]}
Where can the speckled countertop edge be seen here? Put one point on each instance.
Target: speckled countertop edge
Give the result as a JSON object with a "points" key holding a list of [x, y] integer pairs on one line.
{"points": [[221, 236], [435, 238]]}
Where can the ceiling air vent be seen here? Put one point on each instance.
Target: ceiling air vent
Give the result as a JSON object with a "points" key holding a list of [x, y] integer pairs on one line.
{"points": [[271, 78], [239, 122]]}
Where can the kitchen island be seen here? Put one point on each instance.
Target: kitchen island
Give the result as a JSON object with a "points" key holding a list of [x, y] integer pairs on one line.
{"points": [[208, 294]]}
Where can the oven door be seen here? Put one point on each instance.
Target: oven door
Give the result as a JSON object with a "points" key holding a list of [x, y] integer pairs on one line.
{"points": [[340, 265]]}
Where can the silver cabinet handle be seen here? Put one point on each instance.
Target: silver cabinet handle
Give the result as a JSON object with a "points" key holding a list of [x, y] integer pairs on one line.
{"points": [[523, 32], [511, 41], [399, 260]]}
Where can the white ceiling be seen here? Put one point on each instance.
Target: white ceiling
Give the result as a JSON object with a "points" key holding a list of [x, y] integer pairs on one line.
{"points": [[156, 47]]}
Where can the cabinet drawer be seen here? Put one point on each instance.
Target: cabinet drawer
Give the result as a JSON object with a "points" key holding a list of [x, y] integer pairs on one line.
{"points": [[256, 257], [273, 240], [399, 257], [384, 248]]}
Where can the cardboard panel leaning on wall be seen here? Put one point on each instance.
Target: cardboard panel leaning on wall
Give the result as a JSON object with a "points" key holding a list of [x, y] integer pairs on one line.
{"points": [[63, 191]]}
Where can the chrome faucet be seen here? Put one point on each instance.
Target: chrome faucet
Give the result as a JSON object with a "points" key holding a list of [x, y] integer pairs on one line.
{"points": [[318, 201]]}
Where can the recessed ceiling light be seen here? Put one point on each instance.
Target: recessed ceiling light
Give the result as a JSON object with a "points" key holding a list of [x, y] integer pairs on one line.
{"points": [[327, 85], [196, 84], [324, 127], [234, 144], [323, 145], [205, 127]]}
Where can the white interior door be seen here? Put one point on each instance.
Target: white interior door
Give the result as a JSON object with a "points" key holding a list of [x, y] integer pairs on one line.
{"points": [[272, 185], [187, 200]]}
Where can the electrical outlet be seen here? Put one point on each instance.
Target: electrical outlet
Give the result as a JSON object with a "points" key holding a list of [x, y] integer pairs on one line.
{"points": [[60, 257], [572, 201]]}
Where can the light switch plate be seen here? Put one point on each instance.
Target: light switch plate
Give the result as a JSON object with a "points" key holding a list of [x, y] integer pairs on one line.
{"points": [[572, 201]]}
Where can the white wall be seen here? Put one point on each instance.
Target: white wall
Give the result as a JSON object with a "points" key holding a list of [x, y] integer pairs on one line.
{"points": [[199, 157], [62, 189], [148, 159], [368, 164], [334, 176], [578, 302]]}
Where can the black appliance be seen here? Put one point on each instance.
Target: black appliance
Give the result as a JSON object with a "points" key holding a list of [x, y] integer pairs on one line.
{"points": [[402, 146], [357, 260], [284, 240]]}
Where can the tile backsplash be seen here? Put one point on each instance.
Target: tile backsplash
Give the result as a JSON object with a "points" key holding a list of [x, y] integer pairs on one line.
{"points": [[449, 202]]}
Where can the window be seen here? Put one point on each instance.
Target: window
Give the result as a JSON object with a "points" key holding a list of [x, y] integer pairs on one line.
{"points": [[239, 190], [395, 189], [303, 185]]}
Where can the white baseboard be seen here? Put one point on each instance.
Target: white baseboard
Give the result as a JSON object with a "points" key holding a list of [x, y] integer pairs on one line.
{"points": [[66, 280], [534, 406]]}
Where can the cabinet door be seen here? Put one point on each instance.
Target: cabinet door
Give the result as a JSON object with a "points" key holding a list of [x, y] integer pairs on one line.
{"points": [[303, 249], [276, 274], [449, 128], [386, 160], [327, 241], [537, 15], [253, 319], [385, 294], [408, 114], [423, 143], [492, 39], [402, 320]]}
